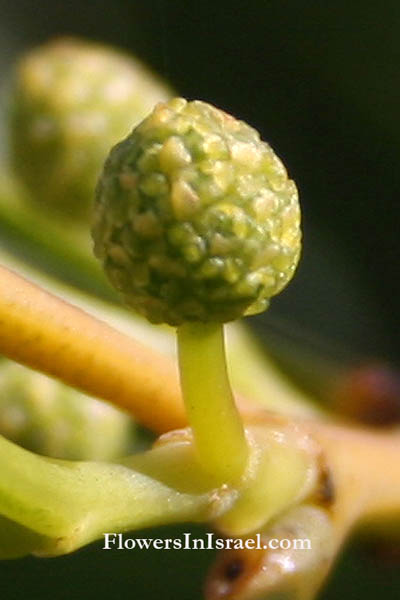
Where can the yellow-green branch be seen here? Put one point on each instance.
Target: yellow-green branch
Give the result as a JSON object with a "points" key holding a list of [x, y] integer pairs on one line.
{"points": [[45, 333]]}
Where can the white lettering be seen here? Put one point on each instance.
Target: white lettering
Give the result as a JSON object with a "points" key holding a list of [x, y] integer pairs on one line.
{"points": [[301, 544], [108, 541], [143, 544]]}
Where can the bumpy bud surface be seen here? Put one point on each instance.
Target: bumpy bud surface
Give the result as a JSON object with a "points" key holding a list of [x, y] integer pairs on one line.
{"points": [[50, 418], [196, 219], [73, 100]]}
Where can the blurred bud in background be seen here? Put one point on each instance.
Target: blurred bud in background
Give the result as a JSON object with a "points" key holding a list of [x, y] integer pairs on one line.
{"points": [[52, 419], [72, 101]]}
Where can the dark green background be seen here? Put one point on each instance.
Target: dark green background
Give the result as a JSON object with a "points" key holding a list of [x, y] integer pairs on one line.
{"points": [[321, 81]]}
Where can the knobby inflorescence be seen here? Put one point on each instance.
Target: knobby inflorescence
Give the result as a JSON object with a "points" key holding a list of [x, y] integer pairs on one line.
{"points": [[195, 218]]}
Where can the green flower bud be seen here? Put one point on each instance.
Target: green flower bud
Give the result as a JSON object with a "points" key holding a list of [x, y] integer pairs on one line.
{"points": [[72, 101], [50, 418], [196, 219]]}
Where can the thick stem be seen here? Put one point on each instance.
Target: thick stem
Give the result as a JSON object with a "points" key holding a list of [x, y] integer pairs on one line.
{"points": [[45, 333], [218, 431]]}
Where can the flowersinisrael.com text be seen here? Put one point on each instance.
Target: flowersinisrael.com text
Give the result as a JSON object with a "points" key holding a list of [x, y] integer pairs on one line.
{"points": [[116, 541]]}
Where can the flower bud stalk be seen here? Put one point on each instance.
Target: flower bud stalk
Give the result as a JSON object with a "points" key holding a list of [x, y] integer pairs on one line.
{"points": [[218, 431]]}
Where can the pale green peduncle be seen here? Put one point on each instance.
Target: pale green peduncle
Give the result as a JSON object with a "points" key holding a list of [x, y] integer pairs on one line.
{"points": [[216, 424]]}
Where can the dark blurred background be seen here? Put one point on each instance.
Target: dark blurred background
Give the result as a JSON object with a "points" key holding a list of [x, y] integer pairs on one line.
{"points": [[321, 81]]}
